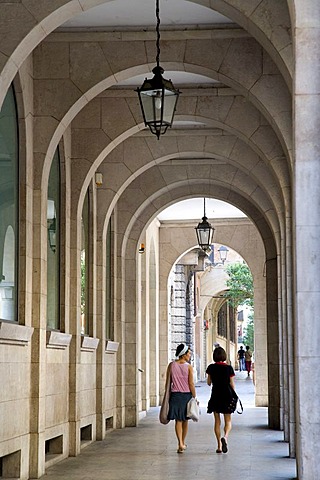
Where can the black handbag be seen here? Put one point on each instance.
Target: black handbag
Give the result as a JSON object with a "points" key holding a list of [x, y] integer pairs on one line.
{"points": [[234, 399]]}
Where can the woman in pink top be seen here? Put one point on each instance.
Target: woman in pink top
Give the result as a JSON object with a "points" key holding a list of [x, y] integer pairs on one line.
{"points": [[182, 389]]}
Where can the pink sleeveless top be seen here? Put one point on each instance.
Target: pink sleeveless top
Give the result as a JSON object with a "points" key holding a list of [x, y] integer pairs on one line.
{"points": [[180, 377]]}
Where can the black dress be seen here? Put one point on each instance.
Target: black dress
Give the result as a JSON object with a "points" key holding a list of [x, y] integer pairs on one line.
{"points": [[220, 374]]}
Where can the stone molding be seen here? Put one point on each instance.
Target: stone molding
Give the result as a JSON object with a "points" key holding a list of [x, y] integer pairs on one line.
{"points": [[14, 334], [89, 344], [111, 347], [58, 340]]}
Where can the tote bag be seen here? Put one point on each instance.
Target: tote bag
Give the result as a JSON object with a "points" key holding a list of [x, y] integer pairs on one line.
{"points": [[193, 409], [164, 410]]}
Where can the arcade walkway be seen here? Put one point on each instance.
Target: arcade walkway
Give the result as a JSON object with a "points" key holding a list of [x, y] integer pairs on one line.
{"points": [[149, 451]]}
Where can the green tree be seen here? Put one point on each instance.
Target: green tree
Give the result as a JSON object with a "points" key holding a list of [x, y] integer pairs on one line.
{"points": [[248, 337], [240, 285]]}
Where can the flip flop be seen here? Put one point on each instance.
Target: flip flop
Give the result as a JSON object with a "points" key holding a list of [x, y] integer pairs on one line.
{"points": [[224, 445]]}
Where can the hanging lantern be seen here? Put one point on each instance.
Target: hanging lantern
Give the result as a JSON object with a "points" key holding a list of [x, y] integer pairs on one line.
{"points": [[158, 97], [204, 232]]}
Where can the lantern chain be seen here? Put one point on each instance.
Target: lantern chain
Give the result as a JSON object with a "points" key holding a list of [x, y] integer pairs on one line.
{"points": [[158, 33]]}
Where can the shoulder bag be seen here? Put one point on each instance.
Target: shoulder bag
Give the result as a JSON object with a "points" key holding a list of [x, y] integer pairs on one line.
{"points": [[164, 410], [234, 399]]}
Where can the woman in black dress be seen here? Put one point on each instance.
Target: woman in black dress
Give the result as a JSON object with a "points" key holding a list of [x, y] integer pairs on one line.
{"points": [[220, 376]]}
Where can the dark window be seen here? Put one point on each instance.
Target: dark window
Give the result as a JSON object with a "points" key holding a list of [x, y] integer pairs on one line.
{"points": [[53, 256], [85, 266], [109, 293], [222, 321], [9, 208]]}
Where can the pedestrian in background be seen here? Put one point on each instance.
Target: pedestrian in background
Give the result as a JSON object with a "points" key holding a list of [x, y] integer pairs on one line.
{"points": [[241, 353], [248, 359]]}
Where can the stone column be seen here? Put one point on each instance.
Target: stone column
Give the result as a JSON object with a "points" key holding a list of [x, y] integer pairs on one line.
{"points": [[260, 342], [100, 356], [153, 340], [290, 327], [143, 333], [178, 319], [307, 235], [273, 345], [288, 396]]}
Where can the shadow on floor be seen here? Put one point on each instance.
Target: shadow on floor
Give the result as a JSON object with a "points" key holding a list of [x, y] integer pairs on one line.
{"points": [[148, 452]]}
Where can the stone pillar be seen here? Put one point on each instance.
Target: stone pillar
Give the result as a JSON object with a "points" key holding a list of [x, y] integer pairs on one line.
{"points": [[260, 342], [273, 345], [178, 318], [307, 234], [153, 350], [228, 332], [143, 333], [189, 312], [288, 395], [75, 346], [100, 365], [290, 332]]}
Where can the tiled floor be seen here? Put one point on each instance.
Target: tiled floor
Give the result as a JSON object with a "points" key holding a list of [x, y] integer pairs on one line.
{"points": [[149, 451]]}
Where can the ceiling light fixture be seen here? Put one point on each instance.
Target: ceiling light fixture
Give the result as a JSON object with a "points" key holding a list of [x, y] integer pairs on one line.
{"points": [[158, 97]]}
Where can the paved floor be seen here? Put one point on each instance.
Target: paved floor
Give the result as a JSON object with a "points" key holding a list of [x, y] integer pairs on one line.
{"points": [[148, 452]]}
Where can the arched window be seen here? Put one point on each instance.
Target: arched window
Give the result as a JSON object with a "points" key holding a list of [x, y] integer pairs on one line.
{"points": [[53, 255], [9, 208], [223, 317], [109, 293], [222, 321], [84, 258]]}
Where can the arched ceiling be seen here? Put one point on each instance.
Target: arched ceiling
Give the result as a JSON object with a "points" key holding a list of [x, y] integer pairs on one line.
{"points": [[37, 20], [136, 213], [234, 61]]}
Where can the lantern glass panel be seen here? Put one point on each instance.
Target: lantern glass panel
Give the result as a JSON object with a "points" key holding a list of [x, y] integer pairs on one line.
{"points": [[169, 106]]}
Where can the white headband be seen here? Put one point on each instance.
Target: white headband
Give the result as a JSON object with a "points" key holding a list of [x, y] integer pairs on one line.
{"points": [[183, 351]]}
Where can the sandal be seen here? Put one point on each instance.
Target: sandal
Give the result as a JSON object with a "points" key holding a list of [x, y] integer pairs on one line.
{"points": [[180, 450], [224, 445]]}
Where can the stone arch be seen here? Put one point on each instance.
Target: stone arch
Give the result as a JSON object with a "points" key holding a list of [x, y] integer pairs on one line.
{"points": [[38, 25], [265, 145], [134, 203], [145, 144], [130, 242], [271, 106]]}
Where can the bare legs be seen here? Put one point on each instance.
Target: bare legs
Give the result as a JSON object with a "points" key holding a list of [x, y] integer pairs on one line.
{"points": [[181, 428], [217, 429], [227, 424]]}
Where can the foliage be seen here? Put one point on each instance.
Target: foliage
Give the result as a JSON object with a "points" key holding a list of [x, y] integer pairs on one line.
{"points": [[240, 285], [248, 337]]}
